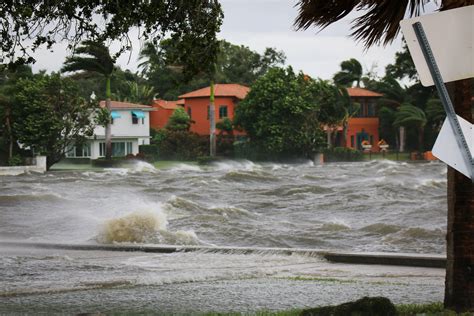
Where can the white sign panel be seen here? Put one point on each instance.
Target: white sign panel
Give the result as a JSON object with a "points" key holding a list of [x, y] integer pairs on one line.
{"points": [[451, 36], [446, 147]]}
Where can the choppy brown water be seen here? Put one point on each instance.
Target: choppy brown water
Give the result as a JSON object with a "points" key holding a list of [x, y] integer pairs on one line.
{"points": [[368, 206]]}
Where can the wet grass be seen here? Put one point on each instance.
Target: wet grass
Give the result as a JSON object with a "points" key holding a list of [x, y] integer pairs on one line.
{"points": [[431, 309]]}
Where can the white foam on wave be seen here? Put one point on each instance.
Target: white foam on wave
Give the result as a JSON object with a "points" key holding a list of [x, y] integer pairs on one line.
{"points": [[142, 166], [234, 165], [185, 167]]}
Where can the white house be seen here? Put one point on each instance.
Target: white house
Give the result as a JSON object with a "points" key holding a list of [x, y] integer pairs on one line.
{"points": [[130, 128]]}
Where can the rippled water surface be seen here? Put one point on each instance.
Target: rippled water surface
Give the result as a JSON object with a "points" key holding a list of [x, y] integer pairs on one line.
{"points": [[367, 206]]}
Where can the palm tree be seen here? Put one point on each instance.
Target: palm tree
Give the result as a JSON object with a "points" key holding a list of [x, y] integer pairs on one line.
{"points": [[96, 58], [411, 115], [136, 93], [380, 24], [351, 70]]}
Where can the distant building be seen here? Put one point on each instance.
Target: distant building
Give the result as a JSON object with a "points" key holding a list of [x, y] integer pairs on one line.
{"points": [[196, 104], [163, 110], [130, 128], [365, 124]]}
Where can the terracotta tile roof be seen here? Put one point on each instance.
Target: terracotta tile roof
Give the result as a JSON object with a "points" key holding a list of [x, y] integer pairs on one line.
{"points": [[167, 105], [220, 90], [361, 92], [125, 105], [180, 102]]}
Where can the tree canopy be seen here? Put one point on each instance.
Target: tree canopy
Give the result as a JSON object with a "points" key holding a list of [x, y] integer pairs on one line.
{"points": [[234, 64], [281, 114], [28, 25], [49, 116]]}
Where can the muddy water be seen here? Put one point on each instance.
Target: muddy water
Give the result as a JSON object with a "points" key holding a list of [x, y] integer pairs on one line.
{"points": [[368, 206]]}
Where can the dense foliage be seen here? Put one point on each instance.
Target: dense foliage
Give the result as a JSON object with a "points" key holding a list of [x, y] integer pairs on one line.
{"points": [[281, 114], [234, 64], [192, 24], [48, 116]]}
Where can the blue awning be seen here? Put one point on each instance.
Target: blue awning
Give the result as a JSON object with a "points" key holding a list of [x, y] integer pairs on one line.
{"points": [[138, 114], [115, 115]]}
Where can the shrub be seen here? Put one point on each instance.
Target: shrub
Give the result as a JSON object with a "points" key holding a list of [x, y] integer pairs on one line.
{"points": [[183, 145], [15, 161], [149, 152], [342, 154]]}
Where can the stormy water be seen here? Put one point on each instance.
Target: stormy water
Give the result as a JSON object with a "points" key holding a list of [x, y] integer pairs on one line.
{"points": [[367, 206]]}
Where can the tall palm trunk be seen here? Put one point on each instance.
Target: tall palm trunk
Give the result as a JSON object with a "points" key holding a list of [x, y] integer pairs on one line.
{"points": [[421, 139], [459, 290], [212, 121], [8, 125], [402, 139], [329, 137], [108, 133], [345, 126]]}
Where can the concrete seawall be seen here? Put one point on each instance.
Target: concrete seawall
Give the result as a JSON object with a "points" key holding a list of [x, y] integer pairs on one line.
{"points": [[38, 166], [378, 258]]}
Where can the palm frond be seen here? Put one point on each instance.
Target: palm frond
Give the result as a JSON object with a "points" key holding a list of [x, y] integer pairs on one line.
{"points": [[409, 114], [76, 63], [380, 23]]}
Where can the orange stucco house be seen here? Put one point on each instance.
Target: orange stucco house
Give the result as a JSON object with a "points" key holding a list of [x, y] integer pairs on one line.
{"points": [[226, 98], [365, 124], [163, 110]]}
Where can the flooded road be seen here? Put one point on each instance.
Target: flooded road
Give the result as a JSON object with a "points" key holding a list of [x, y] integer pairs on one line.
{"points": [[368, 206]]}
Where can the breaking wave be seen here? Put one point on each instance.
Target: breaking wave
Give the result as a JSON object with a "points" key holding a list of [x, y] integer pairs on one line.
{"points": [[144, 227]]}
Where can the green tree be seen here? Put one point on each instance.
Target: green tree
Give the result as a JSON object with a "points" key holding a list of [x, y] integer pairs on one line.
{"points": [[194, 24], [8, 78], [234, 64], [351, 70], [136, 93], [281, 115], [403, 66], [408, 115], [52, 116], [95, 58], [380, 23], [179, 121]]}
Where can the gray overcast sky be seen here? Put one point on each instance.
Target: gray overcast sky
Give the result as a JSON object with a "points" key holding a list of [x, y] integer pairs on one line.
{"points": [[269, 23]]}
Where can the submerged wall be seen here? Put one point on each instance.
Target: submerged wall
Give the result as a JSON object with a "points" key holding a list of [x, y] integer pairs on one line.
{"points": [[38, 166]]}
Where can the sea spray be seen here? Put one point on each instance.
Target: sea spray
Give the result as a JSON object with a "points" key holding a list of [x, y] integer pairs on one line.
{"points": [[144, 227]]}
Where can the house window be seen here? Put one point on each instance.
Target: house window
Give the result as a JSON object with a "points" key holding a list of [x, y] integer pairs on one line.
{"points": [[143, 121], [79, 151], [371, 139], [371, 109], [352, 141], [111, 121], [222, 111], [102, 149], [189, 112], [134, 118], [129, 148], [208, 112]]}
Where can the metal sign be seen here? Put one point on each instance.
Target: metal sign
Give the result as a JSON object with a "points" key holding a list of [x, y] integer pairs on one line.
{"points": [[447, 150], [463, 148], [451, 35]]}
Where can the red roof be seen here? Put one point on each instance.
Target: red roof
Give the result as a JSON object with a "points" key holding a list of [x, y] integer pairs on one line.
{"points": [[124, 105], [361, 92], [167, 105], [220, 90]]}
